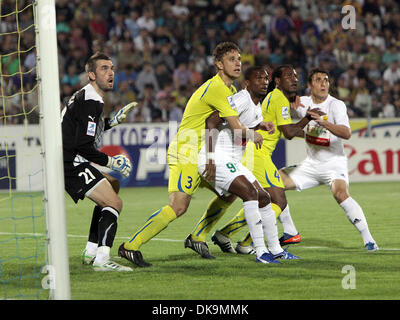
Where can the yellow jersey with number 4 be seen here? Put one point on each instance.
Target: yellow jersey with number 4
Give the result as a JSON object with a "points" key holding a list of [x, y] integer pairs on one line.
{"points": [[275, 108]]}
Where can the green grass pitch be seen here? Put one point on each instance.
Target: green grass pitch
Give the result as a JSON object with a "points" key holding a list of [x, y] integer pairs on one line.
{"points": [[329, 244]]}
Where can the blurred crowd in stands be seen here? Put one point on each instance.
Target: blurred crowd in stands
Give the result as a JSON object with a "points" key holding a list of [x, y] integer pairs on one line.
{"points": [[162, 50]]}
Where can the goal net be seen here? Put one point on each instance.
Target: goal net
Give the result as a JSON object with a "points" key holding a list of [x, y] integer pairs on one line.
{"points": [[27, 270]]}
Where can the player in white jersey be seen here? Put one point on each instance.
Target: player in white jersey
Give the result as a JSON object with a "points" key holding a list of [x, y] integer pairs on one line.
{"points": [[229, 147], [225, 150], [326, 161]]}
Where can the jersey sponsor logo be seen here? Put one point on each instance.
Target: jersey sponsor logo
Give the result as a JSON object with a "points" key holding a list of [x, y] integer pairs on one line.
{"points": [[285, 113], [91, 118], [91, 129], [317, 135], [318, 141]]}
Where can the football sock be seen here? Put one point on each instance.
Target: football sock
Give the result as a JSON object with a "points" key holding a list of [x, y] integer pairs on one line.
{"points": [[356, 216], [94, 225], [157, 222], [234, 225], [270, 229], [215, 210], [103, 255], [91, 248], [254, 223], [107, 226], [246, 241], [287, 222], [92, 243], [241, 222]]}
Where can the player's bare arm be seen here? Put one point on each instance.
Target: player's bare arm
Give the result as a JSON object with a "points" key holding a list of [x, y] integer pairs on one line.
{"points": [[338, 130], [296, 129], [212, 123], [266, 126], [235, 124]]}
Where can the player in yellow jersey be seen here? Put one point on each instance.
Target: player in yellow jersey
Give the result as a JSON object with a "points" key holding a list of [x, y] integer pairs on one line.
{"points": [[231, 177], [275, 108], [184, 178]]}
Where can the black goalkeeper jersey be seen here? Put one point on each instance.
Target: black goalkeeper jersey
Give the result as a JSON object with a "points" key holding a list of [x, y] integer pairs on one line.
{"points": [[83, 125]]}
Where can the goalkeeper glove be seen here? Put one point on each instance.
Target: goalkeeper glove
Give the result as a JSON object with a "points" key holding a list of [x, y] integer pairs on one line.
{"points": [[121, 114], [121, 164]]}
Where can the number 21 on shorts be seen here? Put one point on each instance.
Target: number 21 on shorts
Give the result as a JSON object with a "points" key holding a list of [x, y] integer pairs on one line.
{"points": [[88, 175]]}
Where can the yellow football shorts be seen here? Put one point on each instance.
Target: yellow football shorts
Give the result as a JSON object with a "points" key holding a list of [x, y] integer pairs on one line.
{"points": [[264, 170], [183, 177]]}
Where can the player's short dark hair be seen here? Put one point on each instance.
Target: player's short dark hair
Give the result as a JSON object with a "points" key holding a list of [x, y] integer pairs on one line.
{"points": [[222, 48], [251, 70], [314, 71], [91, 63], [277, 73]]}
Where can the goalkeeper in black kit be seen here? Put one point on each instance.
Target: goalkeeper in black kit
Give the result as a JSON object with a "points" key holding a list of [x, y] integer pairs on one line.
{"points": [[83, 124]]}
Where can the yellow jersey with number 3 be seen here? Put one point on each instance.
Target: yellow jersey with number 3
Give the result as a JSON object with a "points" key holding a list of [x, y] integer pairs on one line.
{"points": [[212, 95], [184, 149]]}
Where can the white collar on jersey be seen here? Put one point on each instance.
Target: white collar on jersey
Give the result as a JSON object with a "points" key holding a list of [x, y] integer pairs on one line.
{"points": [[91, 93]]}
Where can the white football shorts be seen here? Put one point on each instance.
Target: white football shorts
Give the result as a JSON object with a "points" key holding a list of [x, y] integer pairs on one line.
{"points": [[226, 172], [310, 173]]}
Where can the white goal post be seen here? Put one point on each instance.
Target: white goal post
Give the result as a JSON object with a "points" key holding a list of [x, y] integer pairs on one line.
{"points": [[50, 118]]}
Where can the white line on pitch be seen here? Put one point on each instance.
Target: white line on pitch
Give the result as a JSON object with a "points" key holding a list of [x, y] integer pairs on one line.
{"points": [[168, 240], [74, 236]]}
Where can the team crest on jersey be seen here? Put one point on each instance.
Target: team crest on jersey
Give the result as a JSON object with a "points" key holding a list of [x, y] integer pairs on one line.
{"points": [[285, 113], [91, 129], [231, 102]]}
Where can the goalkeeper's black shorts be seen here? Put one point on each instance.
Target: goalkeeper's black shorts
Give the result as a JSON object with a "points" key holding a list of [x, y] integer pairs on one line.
{"points": [[81, 180]]}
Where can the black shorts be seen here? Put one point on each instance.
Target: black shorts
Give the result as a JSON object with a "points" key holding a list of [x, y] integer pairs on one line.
{"points": [[81, 179]]}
